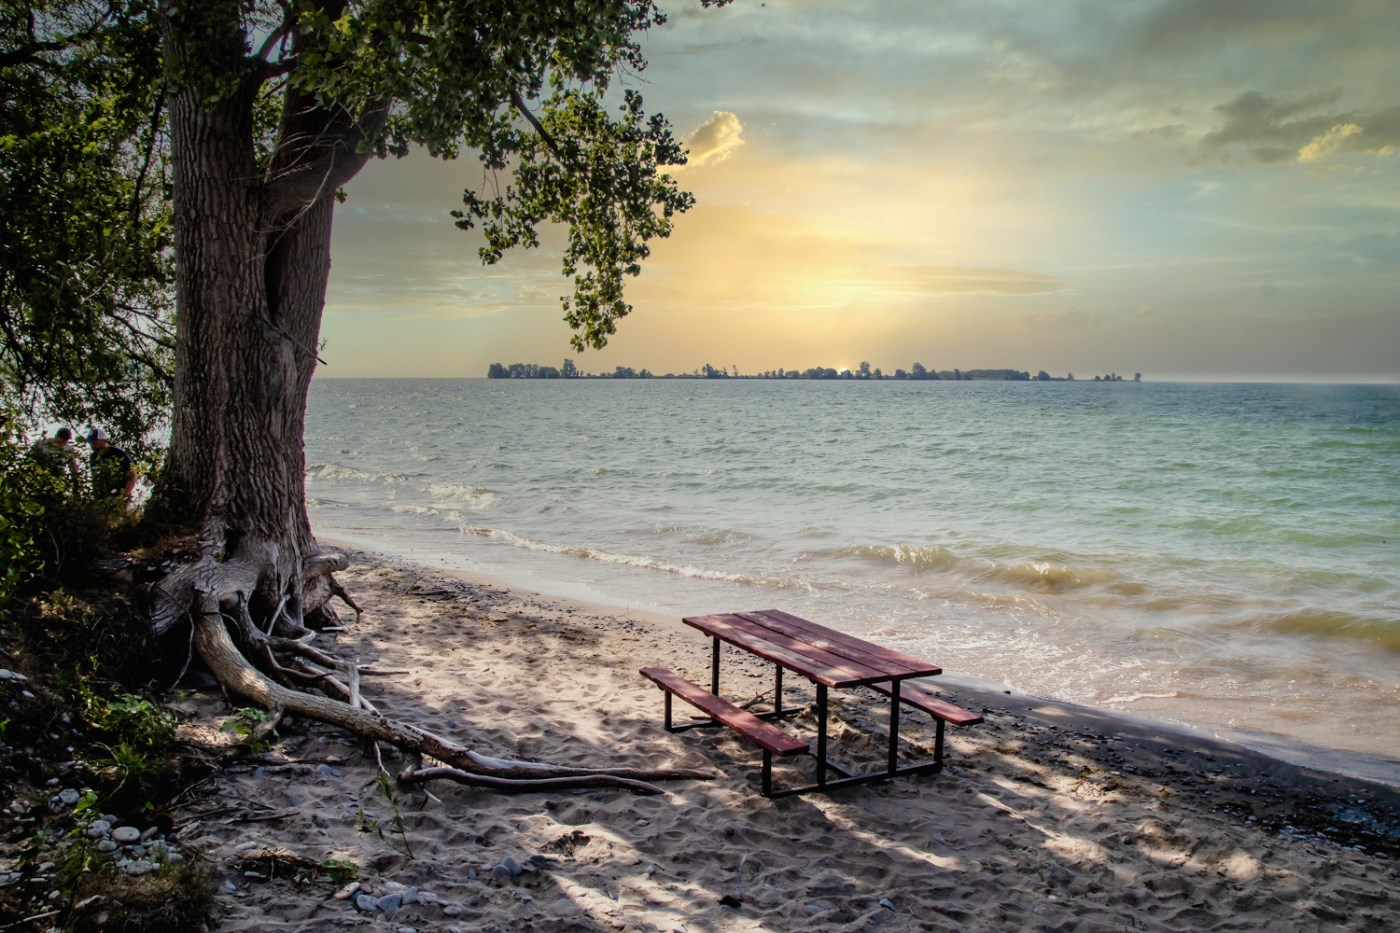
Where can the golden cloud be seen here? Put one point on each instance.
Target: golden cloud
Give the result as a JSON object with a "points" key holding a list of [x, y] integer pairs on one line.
{"points": [[1328, 143], [716, 139]]}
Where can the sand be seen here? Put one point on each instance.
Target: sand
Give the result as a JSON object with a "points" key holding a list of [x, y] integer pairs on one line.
{"points": [[1047, 816]]}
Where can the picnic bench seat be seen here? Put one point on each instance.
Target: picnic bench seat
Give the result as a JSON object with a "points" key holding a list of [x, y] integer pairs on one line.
{"points": [[771, 739], [940, 709]]}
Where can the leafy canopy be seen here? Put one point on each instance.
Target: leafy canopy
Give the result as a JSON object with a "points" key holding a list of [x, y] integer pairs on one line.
{"points": [[522, 84], [85, 261]]}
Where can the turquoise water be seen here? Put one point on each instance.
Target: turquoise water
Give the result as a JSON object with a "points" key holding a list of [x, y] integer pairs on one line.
{"points": [[1220, 555]]}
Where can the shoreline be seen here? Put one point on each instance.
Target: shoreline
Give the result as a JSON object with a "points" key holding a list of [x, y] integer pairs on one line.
{"points": [[1044, 817], [1299, 754]]}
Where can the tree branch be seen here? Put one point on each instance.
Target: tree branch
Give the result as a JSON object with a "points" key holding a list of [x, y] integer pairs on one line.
{"points": [[519, 103], [341, 160]]}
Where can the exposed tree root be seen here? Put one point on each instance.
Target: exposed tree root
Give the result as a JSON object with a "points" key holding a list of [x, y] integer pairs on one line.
{"points": [[291, 661]]}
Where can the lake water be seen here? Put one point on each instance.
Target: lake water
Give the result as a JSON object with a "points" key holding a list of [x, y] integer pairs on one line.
{"points": [[1218, 555]]}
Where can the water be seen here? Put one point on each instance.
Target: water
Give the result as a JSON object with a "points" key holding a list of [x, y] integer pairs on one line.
{"points": [[1219, 555]]}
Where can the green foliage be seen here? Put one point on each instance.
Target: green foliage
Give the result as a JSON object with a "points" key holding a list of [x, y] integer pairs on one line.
{"points": [[47, 526], [132, 719], [523, 84], [140, 751], [250, 724], [340, 871], [22, 486], [85, 251]]}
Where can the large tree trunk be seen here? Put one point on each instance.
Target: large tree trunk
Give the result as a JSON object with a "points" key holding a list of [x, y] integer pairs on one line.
{"points": [[253, 261], [243, 358]]}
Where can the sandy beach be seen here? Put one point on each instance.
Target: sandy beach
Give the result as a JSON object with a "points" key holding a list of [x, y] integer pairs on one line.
{"points": [[1047, 816]]}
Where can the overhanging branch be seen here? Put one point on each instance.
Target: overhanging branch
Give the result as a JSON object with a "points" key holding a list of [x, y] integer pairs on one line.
{"points": [[342, 156]]}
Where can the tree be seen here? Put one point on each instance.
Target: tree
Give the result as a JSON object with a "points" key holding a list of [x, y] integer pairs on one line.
{"points": [[273, 107], [85, 266]]}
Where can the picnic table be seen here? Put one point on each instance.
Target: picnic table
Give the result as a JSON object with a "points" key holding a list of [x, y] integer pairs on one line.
{"points": [[826, 658]]}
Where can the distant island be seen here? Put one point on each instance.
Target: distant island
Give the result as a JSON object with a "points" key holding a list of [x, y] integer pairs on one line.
{"points": [[917, 372]]}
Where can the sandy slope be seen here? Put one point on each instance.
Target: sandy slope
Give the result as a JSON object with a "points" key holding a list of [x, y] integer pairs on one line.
{"points": [[1048, 817]]}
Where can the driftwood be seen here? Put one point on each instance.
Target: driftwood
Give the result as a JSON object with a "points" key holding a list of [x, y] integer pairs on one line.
{"points": [[274, 666]]}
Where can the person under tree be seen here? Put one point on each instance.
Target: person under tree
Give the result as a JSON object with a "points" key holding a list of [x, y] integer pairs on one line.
{"points": [[113, 471]]}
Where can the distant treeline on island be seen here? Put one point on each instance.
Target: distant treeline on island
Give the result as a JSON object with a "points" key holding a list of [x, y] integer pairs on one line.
{"points": [[916, 372]]}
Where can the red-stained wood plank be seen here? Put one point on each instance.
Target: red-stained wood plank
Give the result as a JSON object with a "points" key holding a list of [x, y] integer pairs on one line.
{"points": [[740, 720], [931, 703], [815, 663], [868, 654]]}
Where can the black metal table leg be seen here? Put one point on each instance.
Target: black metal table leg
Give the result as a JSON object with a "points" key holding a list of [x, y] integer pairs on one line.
{"points": [[821, 735], [714, 666], [894, 727]]}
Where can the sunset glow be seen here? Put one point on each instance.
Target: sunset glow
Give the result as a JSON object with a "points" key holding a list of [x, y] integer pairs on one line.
{"points": [[1190, 190]]}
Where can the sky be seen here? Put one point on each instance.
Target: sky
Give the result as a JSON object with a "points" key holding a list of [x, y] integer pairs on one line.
{"points": [[1189, 189]]}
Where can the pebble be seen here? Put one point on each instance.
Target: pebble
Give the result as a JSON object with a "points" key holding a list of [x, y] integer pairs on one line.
{"points": [[365, 902], [512, 866], [97, 829], [888, 904], [69, 797], [126, 834], [326, 771], [11, 675]]}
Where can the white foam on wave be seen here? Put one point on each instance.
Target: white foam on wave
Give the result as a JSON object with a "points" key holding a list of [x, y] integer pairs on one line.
{"points": [[336, 473], [460, 494], [629, 560], [414, 509], [1135, 697]]}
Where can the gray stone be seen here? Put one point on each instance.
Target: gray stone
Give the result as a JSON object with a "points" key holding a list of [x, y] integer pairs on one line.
{"points": [[501, 874], [389, 903], [326, 771], [126, 834], [97, 829], [512, 865], [365, 902]]}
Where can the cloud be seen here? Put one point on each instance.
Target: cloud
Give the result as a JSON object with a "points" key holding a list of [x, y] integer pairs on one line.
{"points": [[946, 280], [1062, 319], [1275, 130], [1328, 143], [716, 139]]}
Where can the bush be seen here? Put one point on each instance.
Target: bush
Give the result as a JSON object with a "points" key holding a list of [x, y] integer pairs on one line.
{"points": [[48, 529]]}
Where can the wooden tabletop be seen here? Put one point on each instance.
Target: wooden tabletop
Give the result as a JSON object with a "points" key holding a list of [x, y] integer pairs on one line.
{"points": [[823, 655]]}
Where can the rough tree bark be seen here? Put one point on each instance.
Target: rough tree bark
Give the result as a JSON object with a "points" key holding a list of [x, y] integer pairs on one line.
{"points": [[253, 259]]}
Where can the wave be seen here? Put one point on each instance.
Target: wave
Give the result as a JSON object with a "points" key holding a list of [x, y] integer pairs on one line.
{"points": [[337, 473], [475, 497], [919, 558], [1039, 576], [414, 510], [584, 552], [1329, 623], [1050, 577]]}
